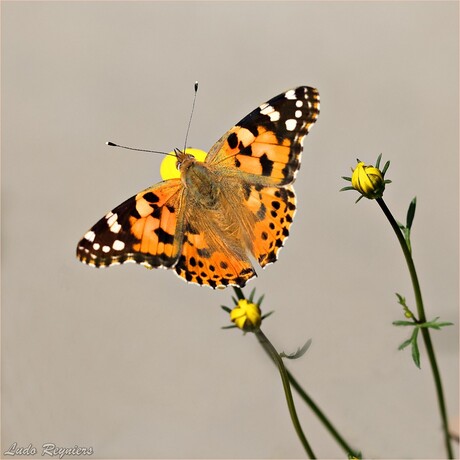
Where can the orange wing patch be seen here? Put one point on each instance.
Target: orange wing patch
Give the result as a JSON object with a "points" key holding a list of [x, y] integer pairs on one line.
{"points": [[274, 210], [203, 263], [262, 155]]}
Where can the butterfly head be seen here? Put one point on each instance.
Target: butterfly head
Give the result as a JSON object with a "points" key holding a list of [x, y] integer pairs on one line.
{"points": [[183, 159]]}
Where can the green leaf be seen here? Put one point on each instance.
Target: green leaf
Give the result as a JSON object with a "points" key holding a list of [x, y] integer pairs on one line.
{"points": [[300, 351], [344, 189], [401, 299], [400, 225], [407, 238], [228, 327], [267, 314], [385, 169], [404, 323], [361, 196], [405, 344], [346, 178], [433, 324], [440, 325], [228, 310], [377, 163], [261, 298], [415, 350], [251, 295], [411, 213]]}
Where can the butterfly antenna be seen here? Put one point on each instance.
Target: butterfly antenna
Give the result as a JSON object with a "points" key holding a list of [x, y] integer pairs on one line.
{"points": [[191, 115], [112, 144]]}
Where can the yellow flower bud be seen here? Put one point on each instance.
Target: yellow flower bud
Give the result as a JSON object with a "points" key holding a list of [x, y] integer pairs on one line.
{"points": [[368, 180], [168, 168], [246, 315]]}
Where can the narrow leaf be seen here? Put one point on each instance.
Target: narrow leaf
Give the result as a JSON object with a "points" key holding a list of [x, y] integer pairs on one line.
{"points": [[267, 314], [346, 178], [300, 351], [411, 213], [405, 344], [385, 168], [251, 295], [415, 350], [261, 298], [228, 310], [403, 323], [401, 299], [377, 163]]}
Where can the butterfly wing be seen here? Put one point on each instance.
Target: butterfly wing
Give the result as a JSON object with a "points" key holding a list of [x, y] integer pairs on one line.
{"points": [[210, 256], [263, 150], [271, 211], [267, 143], [145, 229]]}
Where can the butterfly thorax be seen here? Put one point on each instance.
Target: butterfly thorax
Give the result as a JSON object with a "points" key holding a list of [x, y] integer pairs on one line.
{"points": [[200, 183]]}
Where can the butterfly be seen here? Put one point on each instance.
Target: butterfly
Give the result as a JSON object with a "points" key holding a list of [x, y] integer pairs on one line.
{"points": [[236, 204]]}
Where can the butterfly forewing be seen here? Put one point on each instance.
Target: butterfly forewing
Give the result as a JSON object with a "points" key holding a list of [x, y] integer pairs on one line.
{"points": [[145, 229], [268, 142]]}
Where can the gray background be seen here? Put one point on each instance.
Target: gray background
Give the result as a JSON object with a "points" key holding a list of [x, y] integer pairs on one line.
{"points": [[133, 362]]}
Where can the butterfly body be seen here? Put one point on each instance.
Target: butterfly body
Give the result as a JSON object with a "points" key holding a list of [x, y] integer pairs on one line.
{"points": [[238, 203]]}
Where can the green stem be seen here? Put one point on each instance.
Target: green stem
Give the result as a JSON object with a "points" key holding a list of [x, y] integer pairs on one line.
{"points": [[309, 401], [287, 389], [329, 426], [425, 331]]}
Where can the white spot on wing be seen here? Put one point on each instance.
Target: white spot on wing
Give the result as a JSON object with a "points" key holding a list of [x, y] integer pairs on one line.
{"points": [[291, 124], [298, 113], [106, 249], [115, 228], [266, 109], [96, 246], [90, 236], [118, 245], [290, 94], [299, 103], [112, 219], [274, 116]]}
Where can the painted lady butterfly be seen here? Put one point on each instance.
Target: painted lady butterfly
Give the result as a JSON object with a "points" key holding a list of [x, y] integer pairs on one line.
{"points": [[238, 202]]}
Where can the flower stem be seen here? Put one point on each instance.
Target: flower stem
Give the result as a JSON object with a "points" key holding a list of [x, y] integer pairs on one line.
{"points": [[287, 389], [422, 318], [326, 422], [309, 401]]}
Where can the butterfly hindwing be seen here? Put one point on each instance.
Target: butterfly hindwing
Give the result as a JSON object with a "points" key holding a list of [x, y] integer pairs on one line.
{"points": [[273, 209], [206, 261], [268, 142]]}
